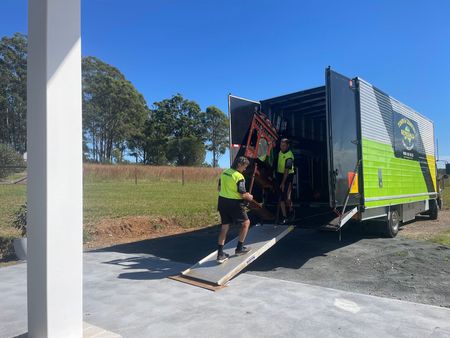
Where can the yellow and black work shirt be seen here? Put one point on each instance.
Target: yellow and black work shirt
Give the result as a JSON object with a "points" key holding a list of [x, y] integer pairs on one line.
{"points": [[285, 161], [232, 184]]}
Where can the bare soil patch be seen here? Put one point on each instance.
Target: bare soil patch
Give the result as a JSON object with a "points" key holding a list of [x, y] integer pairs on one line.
{"points": [[114, 231], [425, 229]]}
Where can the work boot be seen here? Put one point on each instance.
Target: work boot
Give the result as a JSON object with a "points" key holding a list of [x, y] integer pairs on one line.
{"points": [[282, 221], [244, 250], [222, 257]]}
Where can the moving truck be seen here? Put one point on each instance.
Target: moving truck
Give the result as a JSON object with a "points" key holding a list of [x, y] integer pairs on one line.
{"points": [[359, 153]]}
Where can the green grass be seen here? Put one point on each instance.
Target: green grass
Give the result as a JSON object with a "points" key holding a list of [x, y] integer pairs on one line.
{"points": [[14, 177], [443, 238], [446, 195], [193, 204], [12, 196]]}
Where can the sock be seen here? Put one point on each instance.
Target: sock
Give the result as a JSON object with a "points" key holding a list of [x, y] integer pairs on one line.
{"points": [[220, 249], [239, 246]]}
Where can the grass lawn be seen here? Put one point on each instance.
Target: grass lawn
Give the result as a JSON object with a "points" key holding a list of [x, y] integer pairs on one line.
{"points": [[443, 238], [446, 198], [12, 196], [193, 204]]}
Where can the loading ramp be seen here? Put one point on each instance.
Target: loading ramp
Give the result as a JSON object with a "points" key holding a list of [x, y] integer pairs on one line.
{"points": [[209, 274]]}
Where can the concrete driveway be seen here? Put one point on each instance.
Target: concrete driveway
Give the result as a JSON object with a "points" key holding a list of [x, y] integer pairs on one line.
{"points": [[129, 294]]}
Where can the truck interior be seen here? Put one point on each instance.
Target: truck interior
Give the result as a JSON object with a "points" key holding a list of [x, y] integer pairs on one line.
{"points": [[306, 118], [301, 117]]}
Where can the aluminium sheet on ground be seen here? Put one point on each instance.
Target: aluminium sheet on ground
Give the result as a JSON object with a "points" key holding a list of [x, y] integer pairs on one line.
{"points": [[260, 238]]}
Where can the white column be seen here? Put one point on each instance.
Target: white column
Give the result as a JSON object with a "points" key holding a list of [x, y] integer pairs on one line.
{"points": [[54, 169]]}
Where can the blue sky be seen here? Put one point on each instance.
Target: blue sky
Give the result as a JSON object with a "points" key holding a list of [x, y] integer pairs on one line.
{"points": [[259, 49]]}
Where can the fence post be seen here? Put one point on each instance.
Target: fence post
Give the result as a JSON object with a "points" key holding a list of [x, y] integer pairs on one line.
{"points": [[135, 176], [182, 176]]}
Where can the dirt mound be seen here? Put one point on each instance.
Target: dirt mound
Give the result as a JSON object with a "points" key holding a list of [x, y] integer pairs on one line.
{"points": [[130, 229]]}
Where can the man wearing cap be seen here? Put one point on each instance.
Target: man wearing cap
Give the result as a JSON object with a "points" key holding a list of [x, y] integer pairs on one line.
{"points": [[285, 176], [232, 194]]}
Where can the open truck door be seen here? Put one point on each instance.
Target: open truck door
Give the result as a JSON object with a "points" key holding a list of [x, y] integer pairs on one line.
{"points": [[240, 112], [343, 142]]}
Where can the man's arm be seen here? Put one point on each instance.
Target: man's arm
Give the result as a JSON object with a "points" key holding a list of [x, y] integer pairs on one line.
{"points": [[241, 189]]}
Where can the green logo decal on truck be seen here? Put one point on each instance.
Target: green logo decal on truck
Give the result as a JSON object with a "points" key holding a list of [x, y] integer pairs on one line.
{"points": [[408, 132], [405, 137]]}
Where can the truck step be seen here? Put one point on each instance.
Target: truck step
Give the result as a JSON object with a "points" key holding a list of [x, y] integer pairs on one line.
{"points": [[338, 222]]}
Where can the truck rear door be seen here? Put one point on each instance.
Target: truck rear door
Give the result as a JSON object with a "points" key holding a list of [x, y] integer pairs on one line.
{"points": [[342, 129], [241, 112]]}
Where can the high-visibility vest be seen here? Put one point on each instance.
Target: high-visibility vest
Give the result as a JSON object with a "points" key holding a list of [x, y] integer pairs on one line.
{"points": [[228, 184], [282, 157]]}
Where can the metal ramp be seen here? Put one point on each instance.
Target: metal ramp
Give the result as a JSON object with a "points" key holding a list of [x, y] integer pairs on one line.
{"points": [[209, 274]]}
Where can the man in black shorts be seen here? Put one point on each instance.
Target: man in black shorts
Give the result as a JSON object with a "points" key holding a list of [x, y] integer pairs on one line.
{"points": [[232, 194], [285, 177]]}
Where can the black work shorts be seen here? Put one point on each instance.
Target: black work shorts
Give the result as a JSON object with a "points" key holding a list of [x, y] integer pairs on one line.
{"points": [[287, 183], [231, 211]]}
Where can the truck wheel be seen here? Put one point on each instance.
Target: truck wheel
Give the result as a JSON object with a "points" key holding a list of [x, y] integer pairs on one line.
{"points": [[392, 224], [434, 210]]}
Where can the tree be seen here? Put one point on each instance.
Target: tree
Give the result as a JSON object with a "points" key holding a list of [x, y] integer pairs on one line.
{"points": [[149, 146], [10, 161], [13, 91], [186, 151], [178, 117], [113, 110], [217, 133], [173, 124]]}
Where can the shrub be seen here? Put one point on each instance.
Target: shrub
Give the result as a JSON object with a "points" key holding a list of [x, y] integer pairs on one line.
{"points": [[10, 161], [20, 219], [6, 249]]}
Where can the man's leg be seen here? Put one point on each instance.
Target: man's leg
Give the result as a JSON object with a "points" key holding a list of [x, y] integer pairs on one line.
{"points": [[244, 230], [221, 256], [283, 208], [223, 234], [241, 249], [288, 198], [286, 203]]}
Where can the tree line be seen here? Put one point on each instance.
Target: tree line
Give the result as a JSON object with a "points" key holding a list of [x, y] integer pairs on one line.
{"points": [[118, 124]]}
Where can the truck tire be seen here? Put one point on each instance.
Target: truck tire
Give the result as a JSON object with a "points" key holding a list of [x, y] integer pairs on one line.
{"points": [[392, 224], [434, 210]]}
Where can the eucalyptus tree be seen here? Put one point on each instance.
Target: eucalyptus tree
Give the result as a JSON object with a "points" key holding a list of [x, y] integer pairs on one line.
{"points": [[217, 133], [114, 112], [13, 91]]}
